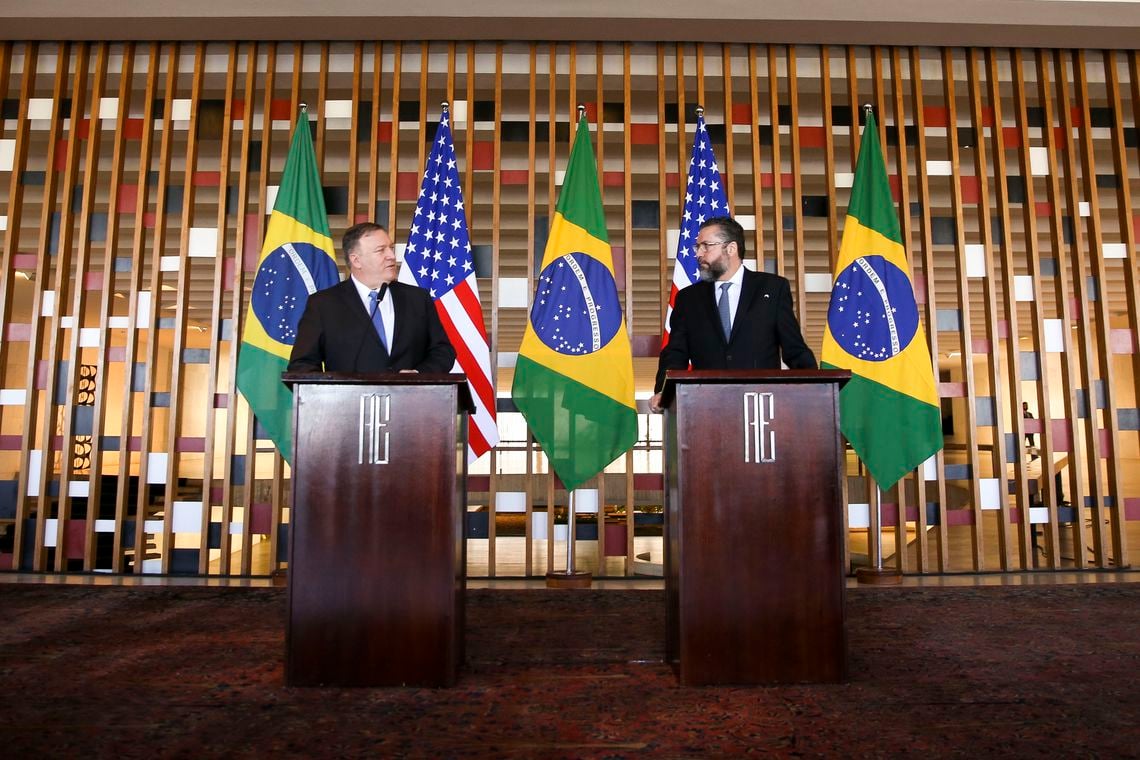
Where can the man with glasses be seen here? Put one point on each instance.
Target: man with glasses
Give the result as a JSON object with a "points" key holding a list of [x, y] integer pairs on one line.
{"points": [[370, 322], [733, 318]]}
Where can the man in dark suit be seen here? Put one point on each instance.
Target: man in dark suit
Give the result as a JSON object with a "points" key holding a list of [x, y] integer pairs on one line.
{"points": [[370, 322], [733, 318]]}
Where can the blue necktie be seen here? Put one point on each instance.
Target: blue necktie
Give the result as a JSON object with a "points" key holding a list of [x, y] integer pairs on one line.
{"points": [[722, 309], [374, 298]]}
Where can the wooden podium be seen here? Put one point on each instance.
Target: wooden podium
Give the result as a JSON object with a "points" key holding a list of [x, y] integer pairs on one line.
{"points": [[754, 579], [377, 559]]}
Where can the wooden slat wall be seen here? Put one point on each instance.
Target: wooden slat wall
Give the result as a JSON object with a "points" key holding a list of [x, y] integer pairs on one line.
{"points": [[1013, 171]]}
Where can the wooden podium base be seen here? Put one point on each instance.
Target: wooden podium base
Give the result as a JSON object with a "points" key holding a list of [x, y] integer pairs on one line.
{"points": [[875, 577], [576, 579]]}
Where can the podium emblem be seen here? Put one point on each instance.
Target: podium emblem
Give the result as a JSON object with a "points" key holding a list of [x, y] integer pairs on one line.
{"points": [[372, 428], [759, 438]]}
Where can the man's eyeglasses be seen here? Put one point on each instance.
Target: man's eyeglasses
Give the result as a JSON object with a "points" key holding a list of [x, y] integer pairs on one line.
{"points": [[705, 246]]}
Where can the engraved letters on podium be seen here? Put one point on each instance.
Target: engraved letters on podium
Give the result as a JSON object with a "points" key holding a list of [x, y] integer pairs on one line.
{"points": [[759, 438], [372, 432]]}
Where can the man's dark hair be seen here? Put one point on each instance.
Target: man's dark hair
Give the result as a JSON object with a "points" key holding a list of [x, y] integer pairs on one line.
{"points": [[731, 230], [352, 236]]}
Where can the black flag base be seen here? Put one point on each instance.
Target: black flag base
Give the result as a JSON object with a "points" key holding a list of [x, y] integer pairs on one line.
{"points": [[878, 576], [567, 579]]}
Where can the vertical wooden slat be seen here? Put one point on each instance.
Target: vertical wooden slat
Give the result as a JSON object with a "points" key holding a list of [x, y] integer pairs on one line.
{"points": [[729, 174], [853, 103], [552, 142], [353, 138], [496, 221], [664, 272], [627, 195], [374, 132], [757, 172], [798, 269], [319, 110], [531, 180], [394, 152], [777, 167]]}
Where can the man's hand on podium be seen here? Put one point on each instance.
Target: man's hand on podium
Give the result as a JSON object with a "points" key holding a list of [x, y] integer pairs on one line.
{"points": [[655, 403]]}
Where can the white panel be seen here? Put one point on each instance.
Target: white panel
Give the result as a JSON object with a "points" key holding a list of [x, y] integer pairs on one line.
{"points": [[168, 264], [508, 359], [156, 467], [672, 238], [7, 155], [152, 566], [47, 304], [939, 168], [559, 176], [338, 109], [1115, 250], [270, 198], [991, 493], [750, 264], [401, 250], [236, 529], [39, 108], [818, 282], [180, 110], [561, 532], [152, 526], [585, 501], [538, 526], [79, 489], [510, 501], [513, 292], [1085, 208], [3, 223], [104, 526], [1023, 287], [747, 221], [187, 517], [1038, 515], [13, 397], [844, 179], [1039, 162], [142, 311], [975, 260], [67, 322], [203, 242], [108, 108], [119, 323], [51, 532], [1054, 336], [458, 113], [89, 337], [859, 515], [930, 468], [35, 459]]}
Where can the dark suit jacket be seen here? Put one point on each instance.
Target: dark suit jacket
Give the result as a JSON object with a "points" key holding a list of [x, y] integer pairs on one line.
{"points": [[764, 328], [336, 335]]}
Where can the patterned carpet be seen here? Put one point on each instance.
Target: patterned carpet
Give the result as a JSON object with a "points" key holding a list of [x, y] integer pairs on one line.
{"points": [[1047, 671]]}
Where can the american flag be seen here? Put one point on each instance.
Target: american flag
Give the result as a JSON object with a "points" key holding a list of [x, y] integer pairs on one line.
{"points": [[438, 259], [704, 199]]}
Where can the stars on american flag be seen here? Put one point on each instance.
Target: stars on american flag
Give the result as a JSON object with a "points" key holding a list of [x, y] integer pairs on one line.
{"points": [[704, 198]]}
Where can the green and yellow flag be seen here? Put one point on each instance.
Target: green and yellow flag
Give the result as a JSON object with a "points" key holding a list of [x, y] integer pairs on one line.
{"points": [[298, 258], [574, 376], [889, 410]]}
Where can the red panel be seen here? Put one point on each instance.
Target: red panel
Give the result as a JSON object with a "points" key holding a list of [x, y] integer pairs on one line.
{"points": [[384, 132], [591, 113], [17, 331], [216, 493], [1015, 515], [149, 220], [237, 110], [741, 113], [259, 515], [93, 281], [971, 191], [221, 401], [479, 483], [9, 443], [1031, 425], [889, 514], [117, 354], [613, 179], [1075, 308], [672, 179], [1077, 115], [951, 390], [1062, 438], [127, 200], [615, 539], [980, 345], [1011, 137], [912, 513], [206, 179], [1132, 509], [365, 217], [1136, 225], [987, 116], [407, 186], [896, 186], [281, 109], [919, 287], [1122, 341], [133, 129], [482, 155], [83, 129], [1003, 328], [648, 481], [936, 116], [228, 266], [787, 182], [61, 154], [645, 345], [959, 517], [251, 242], [74, 536], [514, 176], [1105, 443], [41, 375], [813, 137], [190, 444], [24, 261], [1043, 209], [5, 561], [643, 134], [1060, 139], [618, 253]]}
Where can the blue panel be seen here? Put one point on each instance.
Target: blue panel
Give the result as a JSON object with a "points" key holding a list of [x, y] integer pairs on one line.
{"points": [[83, 420], [985, 411], [770, 265], [1098, 387], [195, 356], [505, 404], [61, 384], [648, 518], [957, 471], [1030, 366], [943, 230], [1128, 419], [1015, 188], [33, 179], [1066, 514], [1082, 404], [541, 233], [915, 208], [1094, 290], [8, 499], [1048, 267], [997, 230], [227, 332], [815, 206], [109, 442], [646, 215], [949, 320], [484, 260], [160, 400], [789, 223], [382, 212], [1090, 501], [476, 525], [53, 238], [1012, 450], [173, 198], [166, 323], [283, 542], [138, 377], [122, 264], [585, 531], [183, 561], [129, 534], [932, 513], [258, 431], [237, 469], [214, 536]]}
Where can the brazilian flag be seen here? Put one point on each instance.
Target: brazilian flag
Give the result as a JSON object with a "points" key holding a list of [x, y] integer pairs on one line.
{"points": [[574, 377], [889, 410], [298, 258]]}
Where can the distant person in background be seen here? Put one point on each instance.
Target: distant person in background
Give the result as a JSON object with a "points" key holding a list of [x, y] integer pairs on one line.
{"points": [[1029, 440]]}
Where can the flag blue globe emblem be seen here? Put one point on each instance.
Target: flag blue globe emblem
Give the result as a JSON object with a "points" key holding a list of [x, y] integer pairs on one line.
{"points": [[873, 314], [283, 283], [576, 309]]}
